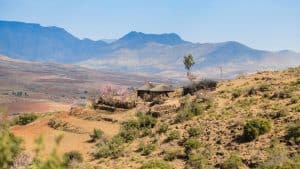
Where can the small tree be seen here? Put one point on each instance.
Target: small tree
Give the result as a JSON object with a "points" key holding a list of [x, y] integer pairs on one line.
{"points": [[188, 62]]}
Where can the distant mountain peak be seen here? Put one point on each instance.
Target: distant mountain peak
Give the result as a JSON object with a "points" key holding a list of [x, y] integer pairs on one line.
{"points": [[135, 39]]}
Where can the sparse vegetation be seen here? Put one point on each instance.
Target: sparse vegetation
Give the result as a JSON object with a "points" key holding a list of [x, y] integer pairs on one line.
{"points": [[112, 148], [197, 160], [146, 149], [194, 131], [10, 147], [96, 135], [191, 144], [72, 156], [26, 118], [171, 154], [173, 135], [256, 127], [232, 162], [163, 128], [156, 164], [293, 133]]}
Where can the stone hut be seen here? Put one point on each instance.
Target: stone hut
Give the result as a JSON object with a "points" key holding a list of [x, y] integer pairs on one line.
{"points": [[161, 90], [145, 89]]}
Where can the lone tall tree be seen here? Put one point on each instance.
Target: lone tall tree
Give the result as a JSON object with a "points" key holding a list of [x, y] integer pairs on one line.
{"points": [[188, 62]]}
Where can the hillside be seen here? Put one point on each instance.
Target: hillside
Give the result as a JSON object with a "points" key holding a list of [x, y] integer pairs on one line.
{"points": [[249, 122], [42, 85], [137, 52]]}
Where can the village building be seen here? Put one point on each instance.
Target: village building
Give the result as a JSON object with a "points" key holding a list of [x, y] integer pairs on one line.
{"points": [[154, 90]]}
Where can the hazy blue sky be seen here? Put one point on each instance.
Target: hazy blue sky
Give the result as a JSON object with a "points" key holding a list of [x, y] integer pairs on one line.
{"points": [[262, 24]]}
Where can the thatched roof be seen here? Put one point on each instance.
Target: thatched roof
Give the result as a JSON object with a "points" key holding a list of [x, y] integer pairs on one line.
{"points": [[162, 88], [146, 87]]}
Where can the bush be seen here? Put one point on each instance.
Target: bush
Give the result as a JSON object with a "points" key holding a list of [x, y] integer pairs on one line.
{"points": [[26, 119], [173, 135], [191, 144], [146, 149], [146, 121], [197, 161], [163, 128], [294, 132], [264, 88], [256, 127], [251, 91], [194, 131], [204, 84], [156, 164], [112, 148], [10, 147], [96, 135], [72, 156], [132, 129], [171, 154], [193, 109], [233, 162], [236, 93]]}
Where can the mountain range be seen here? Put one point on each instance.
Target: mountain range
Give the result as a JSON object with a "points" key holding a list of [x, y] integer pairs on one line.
{"points": [[137, 52]]}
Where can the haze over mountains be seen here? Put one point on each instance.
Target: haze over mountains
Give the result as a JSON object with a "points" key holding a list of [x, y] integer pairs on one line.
{"points": [[136, 52]]}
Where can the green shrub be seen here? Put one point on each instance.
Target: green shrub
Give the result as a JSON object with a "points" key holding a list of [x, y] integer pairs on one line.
{"points": [[194, 131], [183, 116], [112, 148], [264, 87], [191, 144], [146, 121], [156, 164], [171, 154], [163, 128], [135, 128], [173, 135], [256, 127], [26, 118], [96, 135], [72, 156], [197, 161], [294, 132], [233, 162], [146, 149], [250, 91], [236, 93], [10, 147]]}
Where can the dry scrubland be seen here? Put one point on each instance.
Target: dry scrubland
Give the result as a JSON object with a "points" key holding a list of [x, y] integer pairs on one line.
{"points": [[250, 122]]}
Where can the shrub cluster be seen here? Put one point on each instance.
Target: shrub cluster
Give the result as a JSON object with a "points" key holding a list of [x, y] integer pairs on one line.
{"points": [[163, 128], [256, 127], [171, 154], [137, 127], [294, 132], [204, 84], [193, 109], [194, 131], [112, 148], [236, 93], [26, 118], [72, 156], [156, 164], [191, 144], [146, 149], [173, 135], [197, 160], [232, 162]]}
